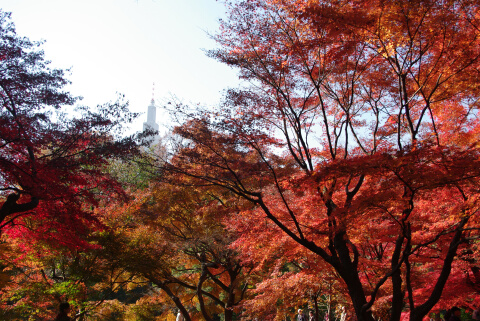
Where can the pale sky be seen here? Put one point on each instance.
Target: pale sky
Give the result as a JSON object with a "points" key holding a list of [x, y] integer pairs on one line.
{"points": [[127, 45]]}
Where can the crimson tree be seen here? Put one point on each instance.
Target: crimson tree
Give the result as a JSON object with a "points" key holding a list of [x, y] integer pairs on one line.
{"points": [[51, 162], [357, 139]]}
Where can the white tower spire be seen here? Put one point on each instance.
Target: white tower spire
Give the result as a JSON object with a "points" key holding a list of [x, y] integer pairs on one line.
{"points": [[151, 122]]}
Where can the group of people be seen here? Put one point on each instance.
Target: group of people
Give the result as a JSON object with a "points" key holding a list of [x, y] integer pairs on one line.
{"points": [[451, 315], [454, 314], [302, 317]]}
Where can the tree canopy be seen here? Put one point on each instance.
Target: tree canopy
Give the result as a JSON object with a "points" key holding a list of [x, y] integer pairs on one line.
{"points": [[356, 136], [342, 176], [52, 157]]}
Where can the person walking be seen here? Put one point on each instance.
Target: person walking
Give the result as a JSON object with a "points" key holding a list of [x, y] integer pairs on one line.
{"points": [[476, 314], [301, 316], [455, 314], [180, 316], [64, 311]]}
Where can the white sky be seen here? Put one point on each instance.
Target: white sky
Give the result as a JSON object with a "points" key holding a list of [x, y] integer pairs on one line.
{"points": [[127, 45]]}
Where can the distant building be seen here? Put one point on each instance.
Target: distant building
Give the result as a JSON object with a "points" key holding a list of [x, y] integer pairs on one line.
{"points": [[151, 122]]}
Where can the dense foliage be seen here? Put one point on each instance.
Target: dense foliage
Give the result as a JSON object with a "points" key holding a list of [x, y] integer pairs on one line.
{"points": [[341, 178], [357, 139], [52, 158]]}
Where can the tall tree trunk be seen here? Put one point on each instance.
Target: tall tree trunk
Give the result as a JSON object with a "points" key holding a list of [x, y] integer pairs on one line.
{"points": [[349, 273], [418, 313]]}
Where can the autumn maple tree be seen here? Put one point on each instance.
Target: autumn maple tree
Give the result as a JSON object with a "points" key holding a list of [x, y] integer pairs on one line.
{"points": [[53, 157], [356, 136], [173, 238]]}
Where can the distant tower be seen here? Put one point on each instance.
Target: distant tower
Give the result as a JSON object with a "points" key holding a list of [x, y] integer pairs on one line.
{"points": [[151, 122], [151, 117]]}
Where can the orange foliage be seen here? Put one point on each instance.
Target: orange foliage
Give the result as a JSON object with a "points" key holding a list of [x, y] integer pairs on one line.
{"points": [[356, 144]]}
